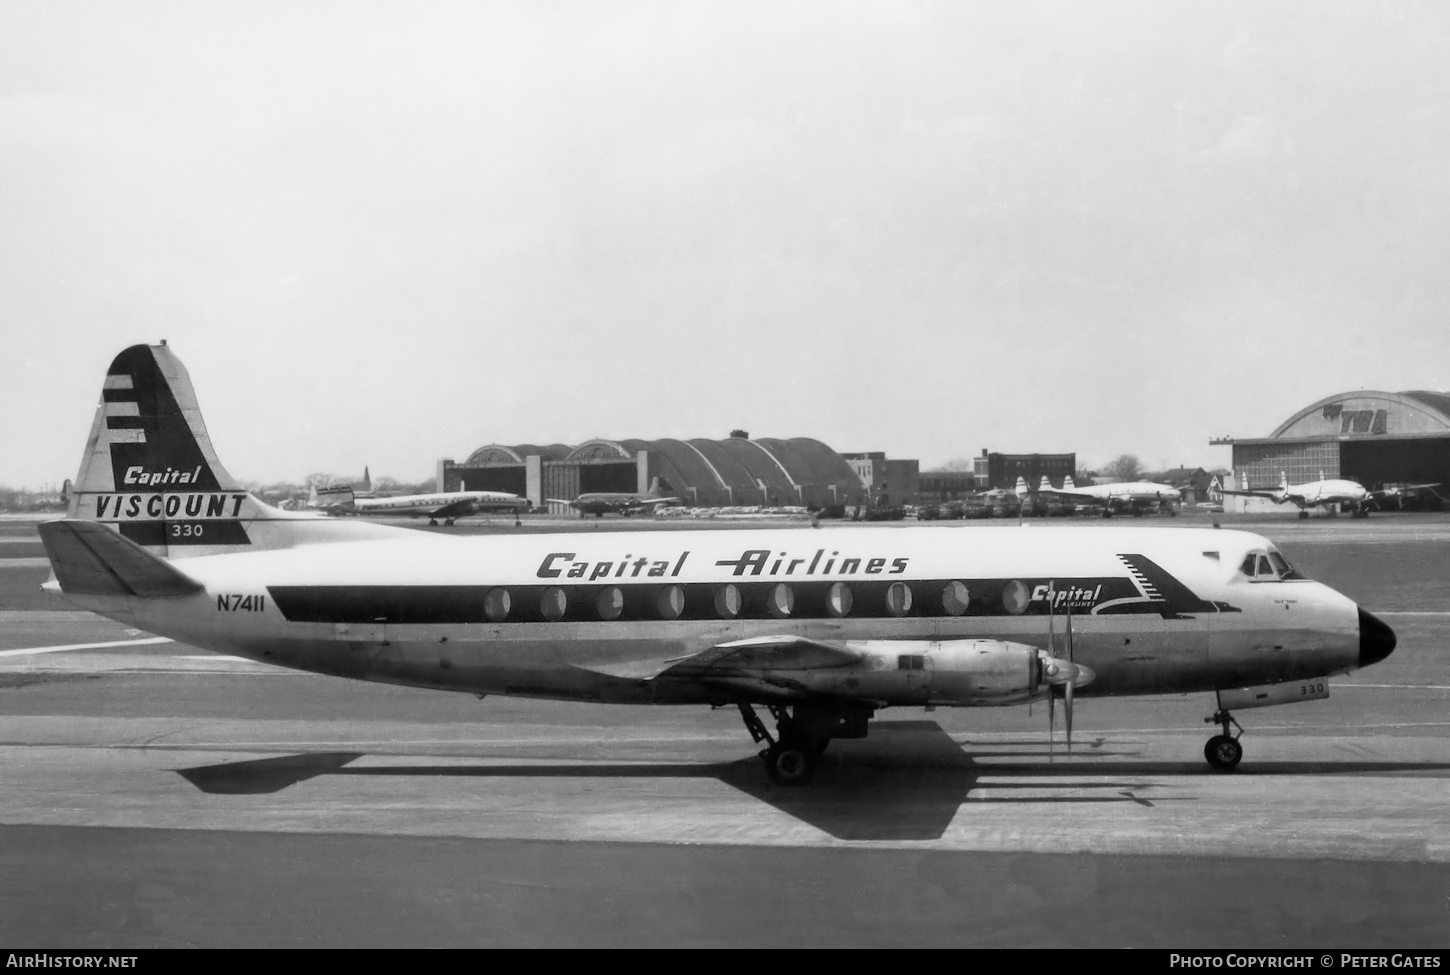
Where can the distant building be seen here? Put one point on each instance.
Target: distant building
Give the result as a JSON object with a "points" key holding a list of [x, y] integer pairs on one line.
{"points": [[887, 482], [1374, 437], [1003, 470], [735, 471], [939, 487], [1192, 483]]}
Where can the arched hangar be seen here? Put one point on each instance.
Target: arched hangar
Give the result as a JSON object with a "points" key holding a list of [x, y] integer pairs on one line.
{"points": [[1376, 438], [702, 473]]}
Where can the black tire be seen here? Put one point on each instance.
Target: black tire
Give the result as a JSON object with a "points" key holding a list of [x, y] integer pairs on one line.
{"points": [[791, 765], [1223, 752]]}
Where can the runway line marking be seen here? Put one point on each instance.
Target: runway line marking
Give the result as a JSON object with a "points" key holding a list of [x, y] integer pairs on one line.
{"points": [[85, 646]]}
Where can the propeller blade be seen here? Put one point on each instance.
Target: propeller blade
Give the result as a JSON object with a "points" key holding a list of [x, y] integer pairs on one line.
{"points": [[1067, 711], [1051, 722], [1051, 691], [1071, 680]]}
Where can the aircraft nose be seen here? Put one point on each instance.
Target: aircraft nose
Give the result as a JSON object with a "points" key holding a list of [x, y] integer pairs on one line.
{"points": [[1376, 640]]}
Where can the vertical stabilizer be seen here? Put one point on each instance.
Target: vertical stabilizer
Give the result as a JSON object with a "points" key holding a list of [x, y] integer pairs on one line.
{"points": [[150, 472]]}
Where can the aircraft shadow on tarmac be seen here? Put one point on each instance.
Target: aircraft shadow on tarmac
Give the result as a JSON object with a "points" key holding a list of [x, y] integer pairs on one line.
{"points": [[907, 782]]}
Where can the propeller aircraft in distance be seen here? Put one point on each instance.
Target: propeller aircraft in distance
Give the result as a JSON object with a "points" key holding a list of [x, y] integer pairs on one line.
{"points": [[447, 505], [626, 503], [1120, 497], [822, 630], [1321, 493]]}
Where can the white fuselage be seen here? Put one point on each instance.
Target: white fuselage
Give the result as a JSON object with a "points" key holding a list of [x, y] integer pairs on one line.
{"points": [[1153, 610], [437, 503], [1325, 492]]}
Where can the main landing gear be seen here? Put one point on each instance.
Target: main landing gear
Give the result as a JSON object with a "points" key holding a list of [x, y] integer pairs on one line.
{"points": [[1224, 751], [802, 732]]}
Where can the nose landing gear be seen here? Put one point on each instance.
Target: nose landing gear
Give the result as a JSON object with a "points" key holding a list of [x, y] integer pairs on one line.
{"points": [[1224, 751]]}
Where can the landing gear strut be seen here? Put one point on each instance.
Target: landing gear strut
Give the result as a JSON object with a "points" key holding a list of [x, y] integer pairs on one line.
{"points": [[802, 732], [1224, 751]]}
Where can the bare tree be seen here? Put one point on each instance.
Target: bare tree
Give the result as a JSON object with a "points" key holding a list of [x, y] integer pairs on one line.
{"points": [[1125, 467], [956, 464]]}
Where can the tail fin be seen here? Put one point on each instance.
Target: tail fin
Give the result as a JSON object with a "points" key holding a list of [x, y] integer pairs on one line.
{"points": [[1283, 481], [334, 496], [1022, 487], [151, 474], [1068, 483], [1046, 485]]}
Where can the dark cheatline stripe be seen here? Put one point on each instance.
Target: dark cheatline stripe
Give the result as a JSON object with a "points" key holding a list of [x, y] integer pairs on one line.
{"points": [[118, 395], [125, 423], [652, 601]]}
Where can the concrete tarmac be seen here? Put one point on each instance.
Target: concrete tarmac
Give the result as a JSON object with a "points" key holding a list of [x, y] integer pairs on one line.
{"points": [[153, 794]]}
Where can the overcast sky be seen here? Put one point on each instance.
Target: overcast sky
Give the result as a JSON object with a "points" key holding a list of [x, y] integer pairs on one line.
{"points": [[384, 233]]}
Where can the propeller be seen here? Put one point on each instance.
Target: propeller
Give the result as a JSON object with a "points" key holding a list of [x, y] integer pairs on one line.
{"points": [[1059, 671]]}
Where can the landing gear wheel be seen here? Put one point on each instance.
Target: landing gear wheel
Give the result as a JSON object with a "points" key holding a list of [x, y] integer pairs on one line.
{"points": [[1303, 515], [790, 764], [1223, 752]]}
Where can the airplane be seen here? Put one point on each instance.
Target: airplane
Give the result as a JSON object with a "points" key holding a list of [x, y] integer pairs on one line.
{"points": [[626, 503], [1411, 497], [1320, 493], [821, 633], [448, 505], [1123, 497]]}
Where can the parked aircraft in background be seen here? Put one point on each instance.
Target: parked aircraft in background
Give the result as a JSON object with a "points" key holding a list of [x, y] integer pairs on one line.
{"points": [[823, 632], [599, 503], [448, 505], [1321, 493], [1411, 497], [1122, 497]]}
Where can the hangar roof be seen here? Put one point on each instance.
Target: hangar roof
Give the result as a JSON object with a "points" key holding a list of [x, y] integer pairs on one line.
{"points": [[497, 453], [736, 470], [1369, 412]]}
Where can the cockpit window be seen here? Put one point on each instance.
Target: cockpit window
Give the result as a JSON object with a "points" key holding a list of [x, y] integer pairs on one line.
{"points": [[1263, 567], [1282, 566]]}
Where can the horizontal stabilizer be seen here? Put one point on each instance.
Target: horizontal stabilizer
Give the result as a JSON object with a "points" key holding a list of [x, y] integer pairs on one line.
{"points": [[756, 653], [91, 560]]}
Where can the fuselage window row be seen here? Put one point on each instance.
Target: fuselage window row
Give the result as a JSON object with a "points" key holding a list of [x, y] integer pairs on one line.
{"points": [[728, 602]]}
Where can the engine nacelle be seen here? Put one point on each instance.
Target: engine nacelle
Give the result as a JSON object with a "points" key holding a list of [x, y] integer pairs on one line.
{"points": [[967, 672]]}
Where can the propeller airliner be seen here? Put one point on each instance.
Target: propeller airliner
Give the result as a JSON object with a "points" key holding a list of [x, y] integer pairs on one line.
{"points": [[822, 629]]}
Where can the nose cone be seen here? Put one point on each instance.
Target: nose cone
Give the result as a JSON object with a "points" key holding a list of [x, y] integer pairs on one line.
{"points": [[1376, 640]]}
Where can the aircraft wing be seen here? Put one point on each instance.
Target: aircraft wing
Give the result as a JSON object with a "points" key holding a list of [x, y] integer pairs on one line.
{"points": [[457, 509], [649, 501], [1064, 495], [1251, 494], [727, 660]]}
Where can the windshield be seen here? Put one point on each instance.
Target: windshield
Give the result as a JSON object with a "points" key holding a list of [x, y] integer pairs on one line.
{"points": [[1268, 566]]}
